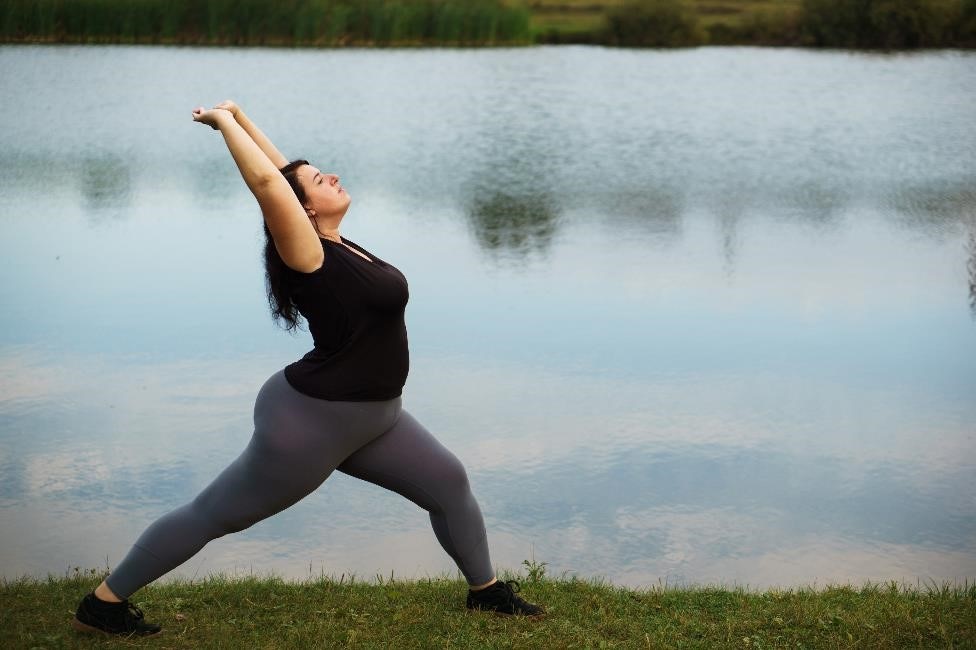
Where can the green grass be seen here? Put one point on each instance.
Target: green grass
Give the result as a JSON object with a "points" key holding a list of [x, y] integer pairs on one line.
{"points": [[219, 612]]}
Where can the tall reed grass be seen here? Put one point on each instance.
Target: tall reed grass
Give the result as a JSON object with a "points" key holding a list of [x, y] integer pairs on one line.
{"points": [[266, 22]]}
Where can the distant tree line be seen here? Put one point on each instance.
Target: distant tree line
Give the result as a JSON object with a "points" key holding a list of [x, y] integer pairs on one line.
{"points": [[881, 24], [266, 22]]}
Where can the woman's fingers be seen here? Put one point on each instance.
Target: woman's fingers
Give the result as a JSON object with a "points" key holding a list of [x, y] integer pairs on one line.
{"points": [[202, 115], [228, 105]]}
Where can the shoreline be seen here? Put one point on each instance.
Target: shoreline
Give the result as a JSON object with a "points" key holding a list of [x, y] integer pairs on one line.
{"points": [[461, 46]]}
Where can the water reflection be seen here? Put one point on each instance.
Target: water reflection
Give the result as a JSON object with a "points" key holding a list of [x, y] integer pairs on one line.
{"points": [[936, 207], [511, 225], [719, 364], [214, 183], [883, 503], [816, 203], [106, 186], [939, 210], [971, 266], [650, 210], [729, 222], [34, 176], [512, 199], [675, 479]]}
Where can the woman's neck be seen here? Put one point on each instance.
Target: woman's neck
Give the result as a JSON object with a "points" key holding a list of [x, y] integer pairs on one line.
{"points": [[331, 234]]}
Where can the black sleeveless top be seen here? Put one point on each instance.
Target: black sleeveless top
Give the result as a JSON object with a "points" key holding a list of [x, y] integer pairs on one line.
{"points": [[354, 310]]}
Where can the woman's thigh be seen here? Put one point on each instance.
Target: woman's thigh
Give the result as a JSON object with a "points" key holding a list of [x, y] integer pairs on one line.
{"points": [[410, 461], [298, 442]]}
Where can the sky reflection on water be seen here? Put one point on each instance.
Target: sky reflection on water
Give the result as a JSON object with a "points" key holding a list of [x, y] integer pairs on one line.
{"points": [[697, 316]]}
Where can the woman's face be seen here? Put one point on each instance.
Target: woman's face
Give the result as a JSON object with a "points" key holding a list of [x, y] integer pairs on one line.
{"points": [[324, 196]]}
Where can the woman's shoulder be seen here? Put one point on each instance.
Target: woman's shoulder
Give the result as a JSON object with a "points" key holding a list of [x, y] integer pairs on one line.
{"points": [[298, 276]]}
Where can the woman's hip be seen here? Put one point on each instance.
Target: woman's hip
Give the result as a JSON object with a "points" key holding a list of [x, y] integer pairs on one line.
{"points": [[280, 407]]}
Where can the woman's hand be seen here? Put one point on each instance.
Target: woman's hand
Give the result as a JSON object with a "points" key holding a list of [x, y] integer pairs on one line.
{"points": [[249, 127], [229, 106], [211, 117]]}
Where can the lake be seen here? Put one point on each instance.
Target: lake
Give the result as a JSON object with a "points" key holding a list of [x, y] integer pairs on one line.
{"points": [[701, 316]]}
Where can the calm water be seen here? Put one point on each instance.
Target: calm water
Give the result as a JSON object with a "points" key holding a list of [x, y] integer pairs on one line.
{"points": [[701, 316]]}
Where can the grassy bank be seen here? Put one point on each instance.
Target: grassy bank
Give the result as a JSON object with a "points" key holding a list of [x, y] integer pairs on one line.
{"points": [[326, 23], [271, 613], [876, 24]]}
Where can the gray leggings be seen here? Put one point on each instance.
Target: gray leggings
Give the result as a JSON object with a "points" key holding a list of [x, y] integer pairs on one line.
{"points": [[298, 440]]}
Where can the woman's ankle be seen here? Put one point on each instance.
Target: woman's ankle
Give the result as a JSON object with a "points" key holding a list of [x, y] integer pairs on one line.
{"points": [[484, 586], [103, 593]]}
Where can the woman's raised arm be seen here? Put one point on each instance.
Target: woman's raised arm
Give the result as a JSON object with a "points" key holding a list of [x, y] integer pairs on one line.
{"points": [[294, 236], [256, 134]]}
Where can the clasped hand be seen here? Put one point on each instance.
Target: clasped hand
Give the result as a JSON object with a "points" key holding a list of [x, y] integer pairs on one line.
{"points": [[212, 116]]}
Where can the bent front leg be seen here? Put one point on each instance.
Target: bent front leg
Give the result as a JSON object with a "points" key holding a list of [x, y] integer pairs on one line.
{"points": [[408, 460]]}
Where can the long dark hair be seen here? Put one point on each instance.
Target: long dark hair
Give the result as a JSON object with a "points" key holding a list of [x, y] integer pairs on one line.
{"points": [[284, 311]]}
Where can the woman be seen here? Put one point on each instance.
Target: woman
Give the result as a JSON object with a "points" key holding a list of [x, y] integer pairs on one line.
{"points": [[336, 408]]}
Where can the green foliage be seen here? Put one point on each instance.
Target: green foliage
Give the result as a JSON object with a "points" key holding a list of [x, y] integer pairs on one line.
{"points": [[653, 23], [965, 25], [766, 27], [260, 22], [886, 24], [536, 570]]}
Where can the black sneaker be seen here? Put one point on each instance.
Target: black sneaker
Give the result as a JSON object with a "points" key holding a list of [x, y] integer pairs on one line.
{"points": [[123, 618], [501, 598]]}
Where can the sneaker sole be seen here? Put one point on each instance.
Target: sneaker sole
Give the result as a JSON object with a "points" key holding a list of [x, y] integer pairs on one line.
{"points": [[531, 617], [88, 629]]}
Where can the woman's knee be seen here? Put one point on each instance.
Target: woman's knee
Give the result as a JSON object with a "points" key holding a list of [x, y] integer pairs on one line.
{"points": [[453, 476]]}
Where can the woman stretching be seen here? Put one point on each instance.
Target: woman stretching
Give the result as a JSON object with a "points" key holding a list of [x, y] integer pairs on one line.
{"points": [[336, 408]]}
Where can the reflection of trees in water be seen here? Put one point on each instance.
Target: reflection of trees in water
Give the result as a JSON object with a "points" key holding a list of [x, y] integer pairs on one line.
{"points": [[728, 222], [971, 265], [103, 182], [935, 208], [106, 186], [212, 182], [939, 211], [652, 212], [511, 223], [816, 203]]}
